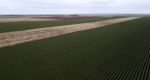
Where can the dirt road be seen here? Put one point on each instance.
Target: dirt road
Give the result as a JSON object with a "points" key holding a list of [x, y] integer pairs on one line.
{"points": [[17, 37]]}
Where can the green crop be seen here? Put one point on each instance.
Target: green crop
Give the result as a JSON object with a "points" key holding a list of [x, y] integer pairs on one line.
{"points": [[115, 52], [16, 26]]}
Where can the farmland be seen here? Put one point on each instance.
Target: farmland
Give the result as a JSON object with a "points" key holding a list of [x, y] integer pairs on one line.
{"points": [[24, 25], [17, 37], [114, 52]]}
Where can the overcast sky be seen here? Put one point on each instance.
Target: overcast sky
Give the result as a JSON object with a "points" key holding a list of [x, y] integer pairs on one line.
{"points": [[73, 6]]}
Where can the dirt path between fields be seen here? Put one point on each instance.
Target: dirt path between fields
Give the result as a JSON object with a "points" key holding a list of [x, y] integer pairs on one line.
{"points": [[17, 37], [3, 20]]}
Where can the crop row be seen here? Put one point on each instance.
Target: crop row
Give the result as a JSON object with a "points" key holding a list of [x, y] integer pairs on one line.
{"points": [[115, 52]]}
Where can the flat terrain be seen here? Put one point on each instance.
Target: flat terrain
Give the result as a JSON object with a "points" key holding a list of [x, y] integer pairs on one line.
{"points": [[22, 19], [115, 52], [16, 37], [25, 25]]}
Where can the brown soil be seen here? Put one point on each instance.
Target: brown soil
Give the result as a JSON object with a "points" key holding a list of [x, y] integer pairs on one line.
{"points": [[23, 19], [17, 37]]}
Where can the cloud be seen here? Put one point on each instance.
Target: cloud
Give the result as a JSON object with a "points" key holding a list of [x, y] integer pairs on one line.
{"points": [[73, 6]]}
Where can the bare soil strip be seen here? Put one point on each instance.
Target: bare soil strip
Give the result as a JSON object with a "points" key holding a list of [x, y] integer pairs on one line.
{"points": [[23, 19], [17, 37]]}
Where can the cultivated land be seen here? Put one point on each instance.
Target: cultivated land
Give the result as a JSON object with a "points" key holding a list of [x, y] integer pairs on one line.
{"points": [[115, 52], [24, 25], [13, 38], [22, 19]]}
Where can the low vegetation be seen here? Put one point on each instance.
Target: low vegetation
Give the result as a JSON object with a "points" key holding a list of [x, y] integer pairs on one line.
{"points": [[24, 25], [115, 52]]}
